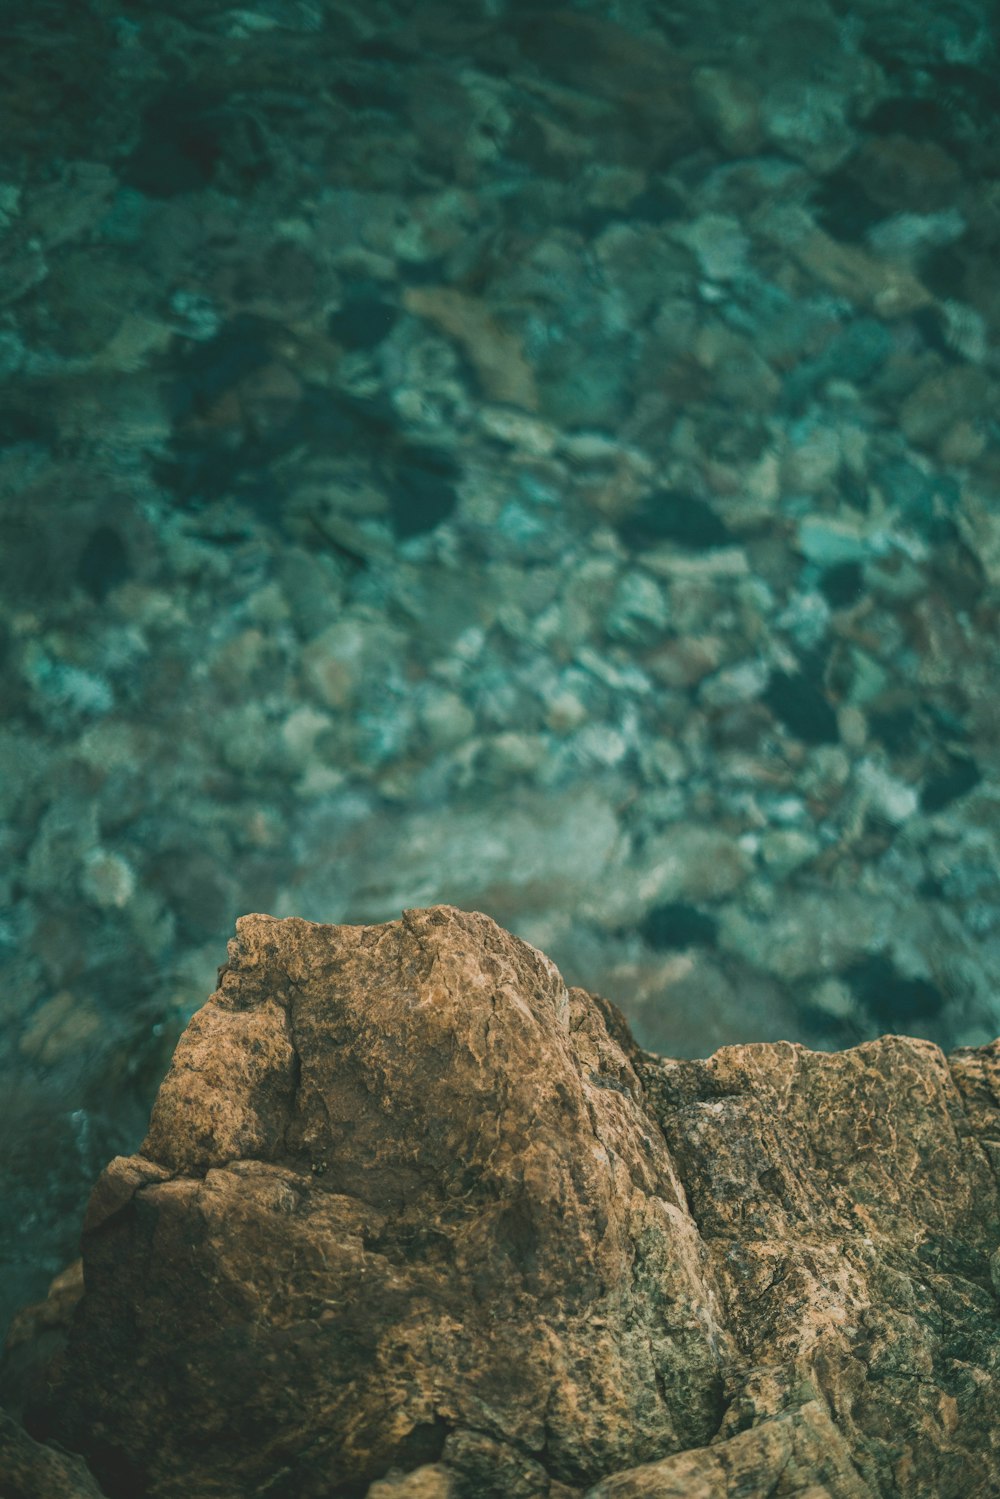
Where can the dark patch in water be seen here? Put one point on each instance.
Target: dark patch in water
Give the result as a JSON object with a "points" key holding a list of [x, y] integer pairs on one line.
{"points": [[363, 321], [842, 585], [180, 143], [891, 997], [843, 207], [946, 786], [800, 705], [676, 924], [673, 515], [103, 563], [421, 490]]}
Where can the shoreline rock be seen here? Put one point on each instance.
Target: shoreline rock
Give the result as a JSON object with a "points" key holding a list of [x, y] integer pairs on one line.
{"points": [[413, 1218]]}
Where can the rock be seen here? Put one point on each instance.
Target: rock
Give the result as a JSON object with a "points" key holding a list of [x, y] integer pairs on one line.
{"points": [[344, 656], [413, 1218], [444, 718], [59, 1027], [29, 1470], [644, 267], [351, 1300], [730, 108], [797, 1446], [35, 1335], [831, 540], [552, 850], [495, 353], [929, 413], [639, 609], [899, 173], [718, 243], [879, 286], [806, 121], [979, 524], [690, 861]]}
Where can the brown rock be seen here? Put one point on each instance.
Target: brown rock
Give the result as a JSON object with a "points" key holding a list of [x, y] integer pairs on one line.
{"points": [[413, 1220], [907, 175], [930, 411], [495, 353], [29, 1470], [883, 287], [35, 1335], [597, 56]]}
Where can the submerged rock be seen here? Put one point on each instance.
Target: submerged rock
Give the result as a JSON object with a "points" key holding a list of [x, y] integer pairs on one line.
{"points": [[412, 1218]]}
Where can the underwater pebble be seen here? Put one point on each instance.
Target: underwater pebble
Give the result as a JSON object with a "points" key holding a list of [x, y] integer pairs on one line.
{"points": [[60, 1027], [107, 879], [719, 244], [730, 106], [784, 849], [638, 610], [444, 717], [892, 798]]}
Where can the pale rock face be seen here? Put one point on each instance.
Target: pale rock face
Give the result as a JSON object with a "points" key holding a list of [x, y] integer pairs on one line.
{"points": [[412, 1218]]}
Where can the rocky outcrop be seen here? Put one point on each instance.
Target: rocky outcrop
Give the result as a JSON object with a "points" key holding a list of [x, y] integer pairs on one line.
{"points": [[411, 1219]]}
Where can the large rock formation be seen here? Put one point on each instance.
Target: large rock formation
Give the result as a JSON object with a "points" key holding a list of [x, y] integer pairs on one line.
{"points": [[413, 1220]]}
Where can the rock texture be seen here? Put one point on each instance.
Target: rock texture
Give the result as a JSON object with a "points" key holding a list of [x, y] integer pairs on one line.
{"points": [[413, 1219]]}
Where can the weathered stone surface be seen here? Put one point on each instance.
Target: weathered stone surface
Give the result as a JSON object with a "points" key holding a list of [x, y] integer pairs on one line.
{"points": [[29, 1470], [412, 1219], [36, 1334]]}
